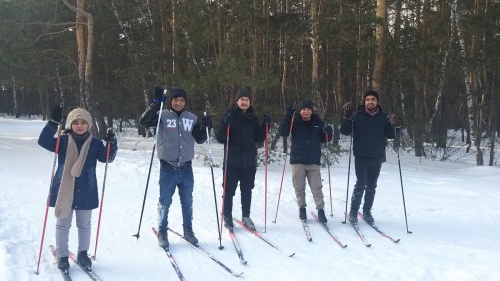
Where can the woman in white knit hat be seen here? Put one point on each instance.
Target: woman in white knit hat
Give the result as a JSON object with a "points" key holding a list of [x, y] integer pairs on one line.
{"points": [[74, 187]]}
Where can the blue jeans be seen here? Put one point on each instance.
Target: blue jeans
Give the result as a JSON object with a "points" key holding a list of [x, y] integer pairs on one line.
{"points": [[170, 178]]}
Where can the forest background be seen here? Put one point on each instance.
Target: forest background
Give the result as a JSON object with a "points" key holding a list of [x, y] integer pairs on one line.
{"points": [[435, 63]]}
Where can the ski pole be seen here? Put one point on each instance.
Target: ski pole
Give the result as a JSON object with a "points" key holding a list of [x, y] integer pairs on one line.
{"points": [[265, 178], [329, 178], [108, 149], [59, 130], [348, 171], [151, 162], [401, 179], [213, 184], [284, 166], [228, 130]]}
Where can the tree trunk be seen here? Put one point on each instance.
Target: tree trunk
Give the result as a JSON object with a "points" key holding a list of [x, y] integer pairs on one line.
{"points": [[380, 26]]}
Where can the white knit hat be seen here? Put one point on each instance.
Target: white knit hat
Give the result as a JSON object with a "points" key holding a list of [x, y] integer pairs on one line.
{"points": [[79, 113]]}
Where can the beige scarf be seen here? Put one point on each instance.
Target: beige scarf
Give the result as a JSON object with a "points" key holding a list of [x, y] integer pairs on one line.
{"points": [[72, 168]]}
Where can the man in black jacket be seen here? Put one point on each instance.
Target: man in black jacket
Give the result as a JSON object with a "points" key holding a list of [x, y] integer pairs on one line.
{"points": [[371, 127], [245, 133], [308, 132]]}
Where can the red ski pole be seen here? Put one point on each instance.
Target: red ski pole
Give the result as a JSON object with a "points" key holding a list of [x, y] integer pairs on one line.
{"points": [[265, 178], [102, 195], [284, 166], [225, 174], [59, 130]]}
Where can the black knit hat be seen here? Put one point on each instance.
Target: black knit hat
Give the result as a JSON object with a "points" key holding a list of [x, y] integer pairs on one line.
{"points": [[306, 103], [243, 92], [370, 93], [178, 92]]}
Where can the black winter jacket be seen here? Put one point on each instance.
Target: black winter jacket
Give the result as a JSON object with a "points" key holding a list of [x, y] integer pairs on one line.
{"points": [[370, 132], [307, 137], [244, 135]]}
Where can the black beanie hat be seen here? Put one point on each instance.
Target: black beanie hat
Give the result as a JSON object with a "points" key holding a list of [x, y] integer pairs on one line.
{"points": [[306, 103], [370, 93], [178, 92], [243, 92]]}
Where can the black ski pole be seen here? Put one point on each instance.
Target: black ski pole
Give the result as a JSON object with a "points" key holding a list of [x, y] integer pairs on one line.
{"points": [[151, 162], [401, 179], [348, 171], [213, 184]]}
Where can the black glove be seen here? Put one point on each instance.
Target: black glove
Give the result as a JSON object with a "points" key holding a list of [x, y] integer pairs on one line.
{"points": [[348, 110], [57, 113], [155, 107], [110, 136], [289, 111], [267, 119], [206, 122], [395, 120], [157, 94], [228, 119]]}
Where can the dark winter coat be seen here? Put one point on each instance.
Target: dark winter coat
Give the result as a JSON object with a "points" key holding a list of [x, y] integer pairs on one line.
{"points": [[370, 132], [245, 133], [307, 137], [86, 195]]}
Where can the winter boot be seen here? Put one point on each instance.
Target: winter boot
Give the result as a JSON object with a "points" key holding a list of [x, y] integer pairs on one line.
{"points": [[302, 214], [321, 216], [84, 260], [367, 215], [163, 239], [63, 264], [353, 216], [189, 236], [248, 222], [228, 222]]}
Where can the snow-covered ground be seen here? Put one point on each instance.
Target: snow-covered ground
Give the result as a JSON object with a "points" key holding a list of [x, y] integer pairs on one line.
{"points": [[452, 210]]}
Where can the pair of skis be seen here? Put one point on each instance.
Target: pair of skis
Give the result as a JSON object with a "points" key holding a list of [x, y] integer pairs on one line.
{"points": [[362, 237], [197, 248], [256, 233], [91, 274]]}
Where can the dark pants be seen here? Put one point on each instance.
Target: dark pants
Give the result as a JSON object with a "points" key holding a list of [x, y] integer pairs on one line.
{"points": [[246, 177], [367, 172]]}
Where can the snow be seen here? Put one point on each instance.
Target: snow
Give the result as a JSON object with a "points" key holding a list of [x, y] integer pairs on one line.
{"points": [[452, 210]]}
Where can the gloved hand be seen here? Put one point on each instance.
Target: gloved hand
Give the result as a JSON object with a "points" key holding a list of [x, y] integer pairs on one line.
{"points": [[155, 107], [289, 111], [348, 110], [110, 136], [228, 119], [206, 121], [395, 120], [267, 119], [157, 94], [57, 113]]}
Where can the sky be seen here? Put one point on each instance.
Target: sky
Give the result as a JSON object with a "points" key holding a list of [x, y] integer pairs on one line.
{"points": [[451, 210]]}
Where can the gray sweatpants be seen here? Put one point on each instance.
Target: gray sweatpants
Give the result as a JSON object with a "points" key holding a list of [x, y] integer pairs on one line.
{"points": [[83, 223], [299, 174]]}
